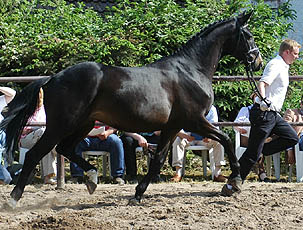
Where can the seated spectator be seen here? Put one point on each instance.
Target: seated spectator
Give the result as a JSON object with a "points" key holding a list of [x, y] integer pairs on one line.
{"points": [[7, 95], [108, 141], [243, 116], [31, 134], [295, 115], [184, 139], [130, 142]]}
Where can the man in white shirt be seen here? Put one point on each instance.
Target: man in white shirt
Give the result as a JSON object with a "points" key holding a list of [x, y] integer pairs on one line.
{"points": [[264, 115]]}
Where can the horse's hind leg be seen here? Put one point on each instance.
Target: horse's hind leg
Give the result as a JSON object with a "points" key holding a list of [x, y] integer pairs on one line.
{"points": [[32, 158], [66, 147], [208, 130], [156, 162]]}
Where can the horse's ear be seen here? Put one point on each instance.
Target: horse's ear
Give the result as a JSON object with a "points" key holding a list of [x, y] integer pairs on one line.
{"points": [[243, 18]]}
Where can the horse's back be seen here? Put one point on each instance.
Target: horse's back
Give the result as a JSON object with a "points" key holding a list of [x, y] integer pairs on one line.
{"points": [[70, 92]]}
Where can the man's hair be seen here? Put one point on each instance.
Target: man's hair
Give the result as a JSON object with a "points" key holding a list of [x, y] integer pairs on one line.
{"points": [[288, 44]]}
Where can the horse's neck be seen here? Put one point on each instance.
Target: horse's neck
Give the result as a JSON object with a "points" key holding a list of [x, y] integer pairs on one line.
{"points": [[205, 52], [200, 54]]}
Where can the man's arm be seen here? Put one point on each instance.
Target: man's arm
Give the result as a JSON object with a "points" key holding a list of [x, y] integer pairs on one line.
{"points": [[9, 93], [262, 86], [141, 140]]}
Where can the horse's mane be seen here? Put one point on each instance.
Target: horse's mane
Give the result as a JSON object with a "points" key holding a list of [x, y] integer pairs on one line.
{"points": [[204, 32]]}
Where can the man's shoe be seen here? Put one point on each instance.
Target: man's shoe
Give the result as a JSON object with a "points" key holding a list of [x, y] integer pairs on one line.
{"points": [[2, 182], [233, 186], [176, 178], [51, 181], [220, 178], [119, 181]]}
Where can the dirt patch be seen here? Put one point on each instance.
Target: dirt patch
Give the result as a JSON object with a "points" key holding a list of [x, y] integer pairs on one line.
{"points": [[165, 206]]}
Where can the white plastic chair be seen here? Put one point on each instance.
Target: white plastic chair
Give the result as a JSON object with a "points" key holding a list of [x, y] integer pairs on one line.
{"points": [[204, 151], [299, 163], [105, 159]]}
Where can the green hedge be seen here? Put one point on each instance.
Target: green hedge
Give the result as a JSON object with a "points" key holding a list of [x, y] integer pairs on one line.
{"points": [[46, 39]]}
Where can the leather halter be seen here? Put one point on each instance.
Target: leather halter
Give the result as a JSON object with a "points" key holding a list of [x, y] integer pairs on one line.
{"points": [[250, 62]]}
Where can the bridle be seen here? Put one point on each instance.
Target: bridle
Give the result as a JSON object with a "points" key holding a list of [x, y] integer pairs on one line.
{"points": [[250, 62]]}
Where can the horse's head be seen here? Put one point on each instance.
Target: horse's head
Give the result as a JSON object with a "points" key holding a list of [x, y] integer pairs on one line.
{"points": [[242, 44]]}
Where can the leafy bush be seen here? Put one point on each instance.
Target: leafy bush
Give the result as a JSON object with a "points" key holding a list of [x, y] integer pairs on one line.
{"points": [[43, 37]]}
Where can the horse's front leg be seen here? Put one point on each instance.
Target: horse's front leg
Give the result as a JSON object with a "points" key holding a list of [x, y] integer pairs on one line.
{"points": [[156, 164]]}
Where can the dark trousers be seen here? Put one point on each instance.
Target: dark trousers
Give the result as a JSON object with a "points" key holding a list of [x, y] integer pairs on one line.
{"points": [[130, 145], [263, 125]]}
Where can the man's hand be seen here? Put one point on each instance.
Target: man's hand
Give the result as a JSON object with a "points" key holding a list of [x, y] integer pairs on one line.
{"points": [[186, 136], [242, 131], [142, 142], [264, 106], [157, 133], [206, 140], [103, 136]]}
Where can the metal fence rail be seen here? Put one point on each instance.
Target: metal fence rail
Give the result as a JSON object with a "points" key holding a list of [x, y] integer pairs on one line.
{"points": [[215, 78]]}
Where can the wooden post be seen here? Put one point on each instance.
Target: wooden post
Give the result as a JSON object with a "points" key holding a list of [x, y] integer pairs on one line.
{"points": [[60, 172]]}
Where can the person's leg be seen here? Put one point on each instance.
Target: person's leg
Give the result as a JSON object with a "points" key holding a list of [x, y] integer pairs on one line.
{"points": [[5, 177], [84, 145], [49, 168], [218, 159], [30, 139], [262, 124], [129, 146], [286, 137], [114, 146], [2, 142], [178, 157], [301, 143]]}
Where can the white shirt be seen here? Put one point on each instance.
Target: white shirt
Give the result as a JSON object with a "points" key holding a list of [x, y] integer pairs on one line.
{"points": [[276, 76], [243, 116]]}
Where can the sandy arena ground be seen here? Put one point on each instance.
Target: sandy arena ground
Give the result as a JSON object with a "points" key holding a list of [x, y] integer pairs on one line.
{"points": [[165, 206]]}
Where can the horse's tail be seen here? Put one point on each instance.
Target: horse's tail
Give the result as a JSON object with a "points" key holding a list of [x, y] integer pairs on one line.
{"points": [[17, 113]]}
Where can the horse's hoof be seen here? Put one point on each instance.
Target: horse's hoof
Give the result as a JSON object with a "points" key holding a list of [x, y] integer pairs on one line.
{"points": [[10, 204], [91, 187], [232, 187], [236, 182], [93, 175], [134, 201]]}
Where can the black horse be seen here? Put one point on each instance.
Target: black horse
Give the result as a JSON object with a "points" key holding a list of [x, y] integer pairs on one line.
{"points": [[173, 93]]}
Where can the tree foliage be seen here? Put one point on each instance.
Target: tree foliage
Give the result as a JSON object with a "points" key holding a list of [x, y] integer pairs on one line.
{"points": [[43, 37]]}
